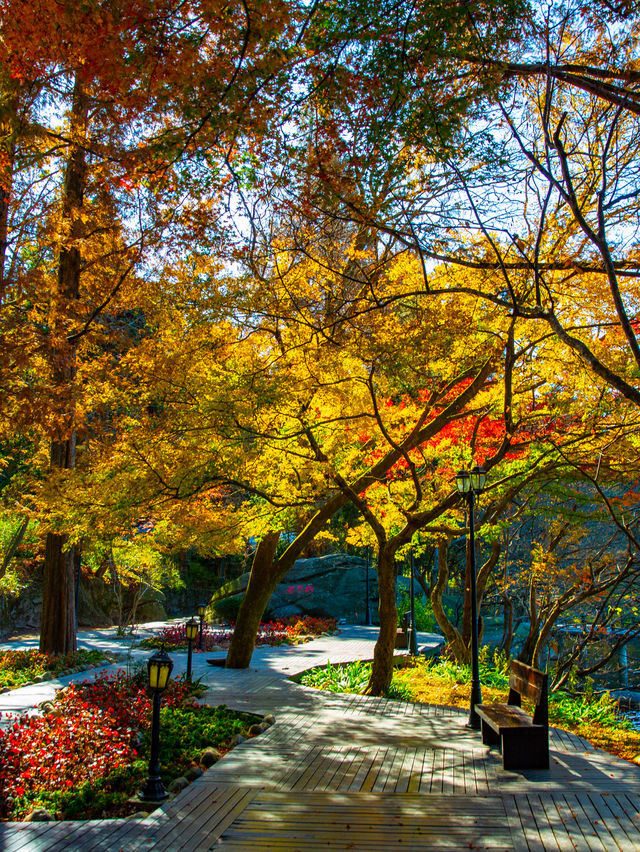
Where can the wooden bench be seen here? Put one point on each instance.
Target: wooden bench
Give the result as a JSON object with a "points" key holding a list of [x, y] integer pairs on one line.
{"points": [[524, 739]]}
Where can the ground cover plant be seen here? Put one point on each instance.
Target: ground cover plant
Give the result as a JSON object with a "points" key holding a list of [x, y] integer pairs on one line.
{"points": [[89, 753], [594, 717], [350, 677], [20, 667], [293, 631]]}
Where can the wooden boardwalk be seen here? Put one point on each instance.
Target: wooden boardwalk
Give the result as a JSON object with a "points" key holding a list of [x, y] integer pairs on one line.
{"points": [[355, 773]]}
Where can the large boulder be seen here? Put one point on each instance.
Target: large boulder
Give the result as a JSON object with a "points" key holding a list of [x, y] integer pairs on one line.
{"points": [[151, 606], [332, 585], [98, 603]]}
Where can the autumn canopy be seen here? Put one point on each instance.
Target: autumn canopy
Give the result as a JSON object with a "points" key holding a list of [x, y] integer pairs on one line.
{"points": [[286, 267]]}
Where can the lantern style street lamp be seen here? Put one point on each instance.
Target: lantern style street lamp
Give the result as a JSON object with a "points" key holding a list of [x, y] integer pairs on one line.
{"points": [[159, 667], [191, 628], [470, 484], [202, 608]]}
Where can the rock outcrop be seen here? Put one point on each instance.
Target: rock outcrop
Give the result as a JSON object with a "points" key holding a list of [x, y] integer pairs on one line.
{"points": [[332, 585]]}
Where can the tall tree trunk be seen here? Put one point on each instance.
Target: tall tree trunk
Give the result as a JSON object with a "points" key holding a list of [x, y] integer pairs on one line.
{"points": [[528, 649], [58, 624], [382, 669], [263, 580], [507, 631], [454, 639], [8, 129]]}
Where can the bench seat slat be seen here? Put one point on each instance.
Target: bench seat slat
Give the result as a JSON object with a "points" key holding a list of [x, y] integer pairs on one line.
{"points": [[504, 716]]}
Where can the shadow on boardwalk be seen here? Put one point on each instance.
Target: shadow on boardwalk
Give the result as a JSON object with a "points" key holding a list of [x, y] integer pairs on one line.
{"points": [[350, 772]]}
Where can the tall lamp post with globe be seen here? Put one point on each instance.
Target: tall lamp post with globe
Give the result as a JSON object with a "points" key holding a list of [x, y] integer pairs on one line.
{"points": [[470, 484]]}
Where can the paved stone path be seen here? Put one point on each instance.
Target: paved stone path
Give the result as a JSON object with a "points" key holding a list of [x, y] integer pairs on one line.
{"points": [[25, 699], [346, 772]]}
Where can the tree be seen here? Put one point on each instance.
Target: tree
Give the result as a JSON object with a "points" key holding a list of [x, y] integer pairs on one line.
{"points": [[275, 428], [547, 217], [140, 83], [332, 156], [565, 185], [571, 562]]}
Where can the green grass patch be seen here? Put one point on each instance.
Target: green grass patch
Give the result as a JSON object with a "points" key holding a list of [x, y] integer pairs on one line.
{"points": [[186, 731], [350, 677]]}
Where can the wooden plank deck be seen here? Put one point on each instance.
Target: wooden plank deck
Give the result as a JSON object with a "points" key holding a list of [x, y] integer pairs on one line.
{"points": [[311, 821], [344, 772]]}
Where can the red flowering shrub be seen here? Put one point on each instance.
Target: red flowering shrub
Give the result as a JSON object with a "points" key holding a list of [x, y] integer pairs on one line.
{"points": [[270, 633], [89, 736], [175, 637], [310, 626], [59, 752], [81, 759], [123, 697]]}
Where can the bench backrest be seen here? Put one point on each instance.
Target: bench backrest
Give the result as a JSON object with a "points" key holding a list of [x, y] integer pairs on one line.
{"points": [[532, 684]]}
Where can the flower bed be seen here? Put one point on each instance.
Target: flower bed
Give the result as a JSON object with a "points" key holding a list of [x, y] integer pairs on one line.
{"points": [[18, 668], [292, 632], [89, 754]]}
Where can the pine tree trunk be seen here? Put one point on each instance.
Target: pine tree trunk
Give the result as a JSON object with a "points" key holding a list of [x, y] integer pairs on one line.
{"points": [[263, 580], [382, 669], [58, 623], [8, 122]]}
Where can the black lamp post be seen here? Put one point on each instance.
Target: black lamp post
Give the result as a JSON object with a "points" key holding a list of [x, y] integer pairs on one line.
{"points": [[367, 607], [191, 628], [413, 637], [202, 608], [159, 668], [470, 484]]}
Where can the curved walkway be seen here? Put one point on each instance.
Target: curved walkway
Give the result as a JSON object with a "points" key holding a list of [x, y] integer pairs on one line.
{"points": [[351, 772]]}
